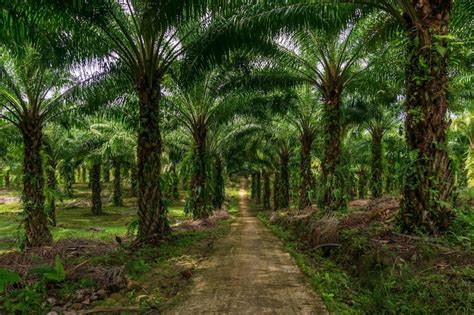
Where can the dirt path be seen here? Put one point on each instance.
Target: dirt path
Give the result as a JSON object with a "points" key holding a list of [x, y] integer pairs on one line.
{"points": [[249, 273]]}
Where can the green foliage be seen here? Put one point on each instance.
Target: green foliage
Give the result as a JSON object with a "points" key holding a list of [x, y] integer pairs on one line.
{"points": [[462, 229], [137, 268], [7, 277], [356, 280], [52, 274], [405, 291], [28, 300]]}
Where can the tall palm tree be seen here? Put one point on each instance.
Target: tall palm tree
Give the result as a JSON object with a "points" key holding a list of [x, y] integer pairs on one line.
{"points": [[146, 37], [221, 139], [284, 135], [428, 189], [305, 118], [32, 93], [329, 63]]}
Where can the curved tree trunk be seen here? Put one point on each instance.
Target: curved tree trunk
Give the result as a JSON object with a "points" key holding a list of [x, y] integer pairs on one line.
{"points": [[52, 187], [429, 182], [96, 188], [117, 196], [197, 202], [266, 191], [306, 178], [152, 221], [334, 192], [219, 189], [376, 184], [36, 221]]}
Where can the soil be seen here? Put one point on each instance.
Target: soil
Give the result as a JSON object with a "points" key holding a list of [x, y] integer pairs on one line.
{"points": [[249, 273]]}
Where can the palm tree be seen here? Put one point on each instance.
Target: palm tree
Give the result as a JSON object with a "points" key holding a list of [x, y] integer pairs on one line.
{"points": [[220, 141], [32, 92], [284, 137], [201, 109], [146, 37], [305, 118], [118, 148], [328, 63], [428, 189]]}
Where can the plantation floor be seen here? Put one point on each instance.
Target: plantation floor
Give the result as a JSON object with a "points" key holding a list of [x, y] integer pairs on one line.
{"points": [[249, 273]]}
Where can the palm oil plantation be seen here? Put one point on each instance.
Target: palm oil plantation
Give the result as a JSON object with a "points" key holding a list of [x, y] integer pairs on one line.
{"points": [[236, 157]]}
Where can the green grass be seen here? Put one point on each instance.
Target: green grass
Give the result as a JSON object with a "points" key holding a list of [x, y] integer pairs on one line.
{"points": [[156, 269], [425, 285], [329, 281], [74, 218]]}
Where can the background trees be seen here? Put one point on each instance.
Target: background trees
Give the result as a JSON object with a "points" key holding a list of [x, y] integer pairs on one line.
{"points": [[207, 75]]}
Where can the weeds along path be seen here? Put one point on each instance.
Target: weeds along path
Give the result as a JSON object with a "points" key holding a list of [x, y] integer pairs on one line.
{"points": [[249, 273]]}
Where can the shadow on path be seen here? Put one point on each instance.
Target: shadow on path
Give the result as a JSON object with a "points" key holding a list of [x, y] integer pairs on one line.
{"points": [[249, 273]]}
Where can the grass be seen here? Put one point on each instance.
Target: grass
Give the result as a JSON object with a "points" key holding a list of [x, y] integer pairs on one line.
{"points": [[75, 219], [331, 283], [157, 273], [359, 279]]}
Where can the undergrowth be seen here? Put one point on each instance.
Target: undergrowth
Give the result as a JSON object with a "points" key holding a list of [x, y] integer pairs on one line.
{"points": [[359, 279], [151, 276]]}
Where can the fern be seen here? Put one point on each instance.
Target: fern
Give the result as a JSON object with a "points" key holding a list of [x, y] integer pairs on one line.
{"points": [[54, 274], [7, 277]]}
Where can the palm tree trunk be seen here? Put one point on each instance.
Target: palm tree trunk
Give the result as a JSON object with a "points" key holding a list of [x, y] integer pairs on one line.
{"points": [[68, 179], [266, 191], [198, 189], [429, 182], [83, 174], [117, 196], [362, 183], [174, 183], [96, 188], [276, 191], [376, 185], [219, 189], [7, 179], [283, 200], [306, 178], [52, 187], [253, 186], [36, 221], [106, 174], [334, 192], [258, 188], [152, 222]]}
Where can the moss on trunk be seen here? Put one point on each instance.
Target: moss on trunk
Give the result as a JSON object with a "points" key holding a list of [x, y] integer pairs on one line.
{"points": [[96, 188], [152, 221], [197, 202], [429, 182], [35, 218], [334, 196]]}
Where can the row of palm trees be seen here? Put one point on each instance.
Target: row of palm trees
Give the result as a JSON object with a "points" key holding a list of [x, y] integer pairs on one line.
{"points": [[151, 49]]}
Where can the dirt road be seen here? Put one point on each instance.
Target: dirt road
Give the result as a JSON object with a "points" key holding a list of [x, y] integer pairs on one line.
{"points": [[249, 273]]}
